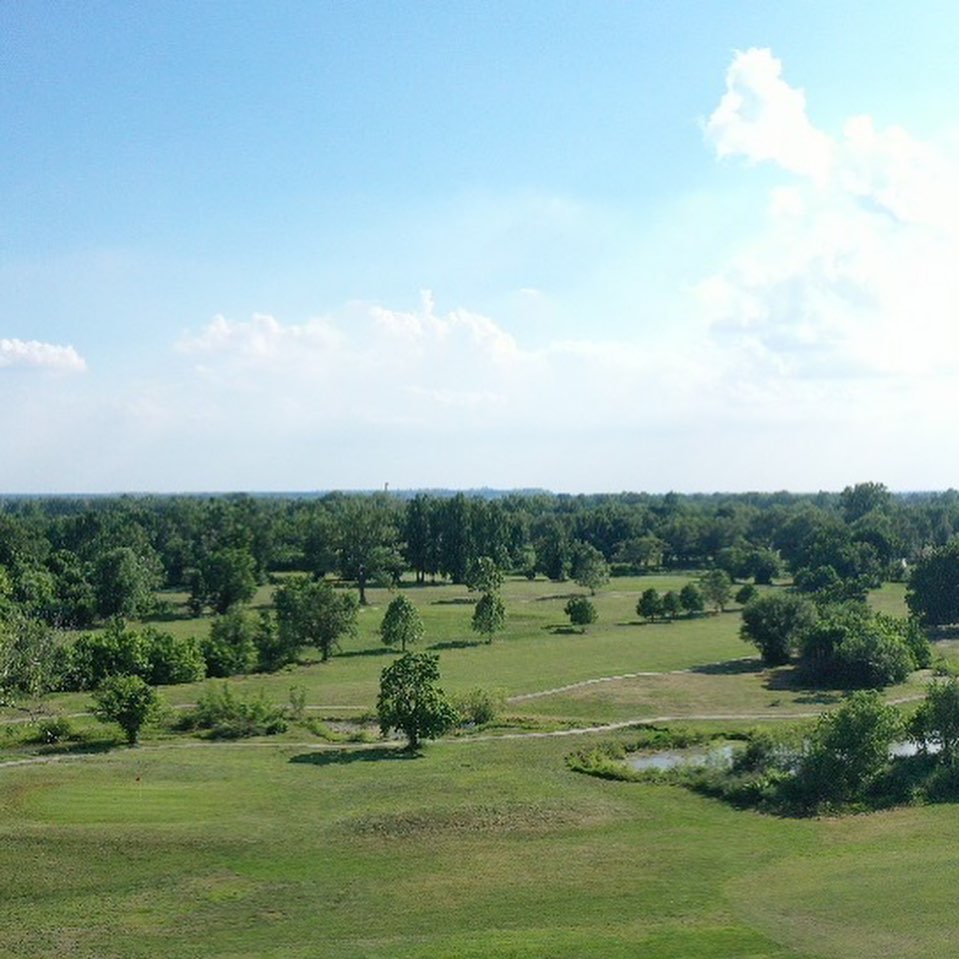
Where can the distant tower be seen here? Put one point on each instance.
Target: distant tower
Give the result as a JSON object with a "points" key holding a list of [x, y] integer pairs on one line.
{"points": [[386, 487]]}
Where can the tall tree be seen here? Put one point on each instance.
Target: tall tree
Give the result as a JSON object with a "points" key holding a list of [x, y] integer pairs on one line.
{"points": [[367, 540], [402, 624], [411, 701], [313, 613]]}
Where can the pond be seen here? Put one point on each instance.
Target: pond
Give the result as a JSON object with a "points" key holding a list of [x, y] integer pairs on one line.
{"points": [[709, 754], [721, 754]]}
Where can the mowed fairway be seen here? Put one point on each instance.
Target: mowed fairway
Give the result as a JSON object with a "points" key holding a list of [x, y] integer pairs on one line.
{"points": [[477, 848]]}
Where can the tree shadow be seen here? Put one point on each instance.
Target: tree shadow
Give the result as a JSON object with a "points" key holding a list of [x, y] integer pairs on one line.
{"points": [[731, 667], [456, 601], [791, 679], [555, 596], [343, 757], [369, 651], [457, 644]]}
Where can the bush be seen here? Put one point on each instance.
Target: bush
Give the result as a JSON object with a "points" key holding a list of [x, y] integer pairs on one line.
{"points": [[52, 731], [172, 660], [479, 706], [581, 611], [226, 716]]}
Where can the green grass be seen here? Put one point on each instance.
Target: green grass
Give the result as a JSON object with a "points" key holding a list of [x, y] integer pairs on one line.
{"points": [[482, 849], [489, 848]]}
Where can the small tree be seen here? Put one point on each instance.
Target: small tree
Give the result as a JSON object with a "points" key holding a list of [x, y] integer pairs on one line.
{"points": [[230, 647], [402, 623], [581, 611], [745, 593], [650, 604], [489, 616], [936, 721], [717, 587], [672, 604], [692, 599], [484, 576], [590, 569], [128, 701], [411, 702]]}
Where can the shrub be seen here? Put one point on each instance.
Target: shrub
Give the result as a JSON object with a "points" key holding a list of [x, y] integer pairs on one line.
{"points": [[479, 706], [226, 716], [581, 611]]}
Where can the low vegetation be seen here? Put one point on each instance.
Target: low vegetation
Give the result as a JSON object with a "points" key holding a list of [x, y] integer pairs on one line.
{"points": [[380, 614]]}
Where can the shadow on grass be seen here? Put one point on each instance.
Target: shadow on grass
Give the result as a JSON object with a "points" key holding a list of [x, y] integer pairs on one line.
{"points": [[565, 630], [342, 757], [555, 596], [790, 679], [731, 667], [457, 644], [369, 651], [457, 601]]}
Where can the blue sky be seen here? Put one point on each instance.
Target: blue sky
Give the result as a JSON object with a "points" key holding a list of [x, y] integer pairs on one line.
{"points": [[580, 246]]}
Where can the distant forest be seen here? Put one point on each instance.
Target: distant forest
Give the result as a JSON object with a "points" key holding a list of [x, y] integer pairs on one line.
{"points": [[75, 561]]}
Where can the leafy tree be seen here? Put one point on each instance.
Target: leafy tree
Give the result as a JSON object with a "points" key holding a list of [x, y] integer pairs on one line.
{"points": [[717, 587], [172, 659], [650, 604], [367, 540], [672, 604], [850, 646], [848, 750], [402, 623], [483, 575], [128, 701], [123, 583], [933, 591], [936, 721], [30, 663], [420, 534], [553, 548], [526, 562], [581, 611], [231, 645], [489, 616], [745, 593], [774, 624], [856, 501], [590, 569], [692, 599], [228, 577], [410, 700], [116, 651], [313, 613], [765, 565]]}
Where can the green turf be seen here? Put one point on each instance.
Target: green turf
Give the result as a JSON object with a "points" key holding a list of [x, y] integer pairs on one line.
{"points": [[485, 848]]}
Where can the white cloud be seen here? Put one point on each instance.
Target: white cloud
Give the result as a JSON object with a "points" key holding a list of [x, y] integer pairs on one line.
{"points": [[35, 355], [762, 118], [853, 276]]}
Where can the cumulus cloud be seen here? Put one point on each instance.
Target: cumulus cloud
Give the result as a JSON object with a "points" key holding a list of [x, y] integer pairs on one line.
{"points": [[853, 275], [762, 118], [35, 355], [425, 368]]}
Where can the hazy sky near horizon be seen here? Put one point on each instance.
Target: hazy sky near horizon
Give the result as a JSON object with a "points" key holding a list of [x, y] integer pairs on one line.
{"points": [[580, 246]]}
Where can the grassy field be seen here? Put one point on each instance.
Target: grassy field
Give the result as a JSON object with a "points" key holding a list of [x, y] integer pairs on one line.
{"points": [[477, 849]]}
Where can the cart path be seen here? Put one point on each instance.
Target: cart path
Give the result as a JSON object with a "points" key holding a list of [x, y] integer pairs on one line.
{"points": [[452, 740]]}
